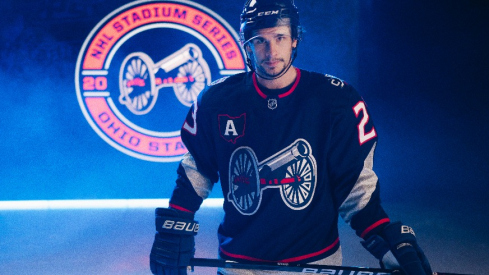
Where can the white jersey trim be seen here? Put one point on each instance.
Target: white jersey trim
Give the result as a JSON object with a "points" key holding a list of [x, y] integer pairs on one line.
{"points": [[362, 190], [202, 185]]}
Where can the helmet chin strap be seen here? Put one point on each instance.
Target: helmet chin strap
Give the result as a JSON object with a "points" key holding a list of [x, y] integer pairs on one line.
{"points": [[268, 76]]}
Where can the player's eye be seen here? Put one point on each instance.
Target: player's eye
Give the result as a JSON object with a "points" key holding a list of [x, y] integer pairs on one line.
{"points": [[258, 40], [282, 38]]}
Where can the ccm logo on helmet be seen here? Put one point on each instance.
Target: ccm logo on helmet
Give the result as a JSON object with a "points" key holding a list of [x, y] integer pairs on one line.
{"points": [[181, 226], [267, 13]]}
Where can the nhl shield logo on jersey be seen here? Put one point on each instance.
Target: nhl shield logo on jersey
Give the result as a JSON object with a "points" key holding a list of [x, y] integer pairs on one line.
{"points": [[232, 128], [272, 103]]}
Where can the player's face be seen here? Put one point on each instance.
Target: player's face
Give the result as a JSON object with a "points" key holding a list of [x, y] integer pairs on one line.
{"points": [[271, 50]]}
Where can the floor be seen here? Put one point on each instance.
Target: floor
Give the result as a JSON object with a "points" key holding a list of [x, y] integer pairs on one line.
{"points": [[118, 241]]}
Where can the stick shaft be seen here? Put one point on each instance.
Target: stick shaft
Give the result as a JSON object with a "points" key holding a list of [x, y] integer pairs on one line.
{"points": [[290, 267], [301, 268]]}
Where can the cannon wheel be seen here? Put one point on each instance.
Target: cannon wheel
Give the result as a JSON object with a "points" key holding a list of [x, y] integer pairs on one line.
{"points": [[197, 73], [298, 194], [244, 181], [137, 83]]}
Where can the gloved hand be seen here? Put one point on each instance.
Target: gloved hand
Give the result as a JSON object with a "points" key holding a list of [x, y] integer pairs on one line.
{"points": [[396, 248], [174, 243]]}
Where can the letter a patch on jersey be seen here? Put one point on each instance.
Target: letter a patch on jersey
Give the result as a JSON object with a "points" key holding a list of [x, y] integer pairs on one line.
{"points": [[232, 128]]}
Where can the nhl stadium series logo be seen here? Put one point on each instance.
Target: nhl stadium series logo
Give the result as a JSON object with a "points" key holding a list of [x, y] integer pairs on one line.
{"points": [[142, 67]]}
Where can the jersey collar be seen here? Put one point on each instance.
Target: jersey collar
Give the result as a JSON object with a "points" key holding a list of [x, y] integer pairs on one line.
{"points": [[262, 94]]}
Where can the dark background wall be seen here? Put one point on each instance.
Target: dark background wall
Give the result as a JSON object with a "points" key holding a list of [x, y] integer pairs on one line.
{"points": [[426, 68], [421, 66]]}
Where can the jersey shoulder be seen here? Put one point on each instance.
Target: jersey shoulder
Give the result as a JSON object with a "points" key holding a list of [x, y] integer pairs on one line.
{"points": [[223, 89], [327, 81], [331, 90], [217, 81], [326, 84], [335, 81], [228, 80], [225, 84]]}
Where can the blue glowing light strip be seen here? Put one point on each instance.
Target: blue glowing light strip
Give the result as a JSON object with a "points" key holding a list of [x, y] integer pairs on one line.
{"points": [[95, 204]]}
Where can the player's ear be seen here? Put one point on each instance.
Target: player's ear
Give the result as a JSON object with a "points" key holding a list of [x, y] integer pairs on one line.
{"points": [[248, 49], [294, 44]]}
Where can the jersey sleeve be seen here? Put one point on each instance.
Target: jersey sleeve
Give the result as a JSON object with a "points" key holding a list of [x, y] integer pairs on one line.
{"points": [[356, 186], [197, 171]]}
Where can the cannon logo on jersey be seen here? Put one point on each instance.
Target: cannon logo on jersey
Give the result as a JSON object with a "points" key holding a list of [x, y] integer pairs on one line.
{"points": [[291, 170], [144, 64], [232, 128]]}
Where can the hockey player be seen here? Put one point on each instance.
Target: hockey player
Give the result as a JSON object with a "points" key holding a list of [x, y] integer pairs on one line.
{"points": [[293, 150]]}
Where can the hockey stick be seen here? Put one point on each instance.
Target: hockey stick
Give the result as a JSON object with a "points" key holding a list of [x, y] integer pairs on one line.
{"points": [[300, 268], [290, 267]]}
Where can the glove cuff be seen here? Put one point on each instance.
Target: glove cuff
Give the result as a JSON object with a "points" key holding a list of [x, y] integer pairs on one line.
{"points": [[376, 246], [396, 233]]}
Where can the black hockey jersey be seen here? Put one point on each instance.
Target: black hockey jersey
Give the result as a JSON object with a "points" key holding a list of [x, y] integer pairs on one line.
{"points": [[289, 164]]}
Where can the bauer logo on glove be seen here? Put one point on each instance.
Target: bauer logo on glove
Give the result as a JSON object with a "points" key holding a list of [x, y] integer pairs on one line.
{"points": [[406, 229], [179, 226]]}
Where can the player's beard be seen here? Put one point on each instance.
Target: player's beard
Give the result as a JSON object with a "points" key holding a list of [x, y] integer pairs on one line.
{"points": [[274, 71]]}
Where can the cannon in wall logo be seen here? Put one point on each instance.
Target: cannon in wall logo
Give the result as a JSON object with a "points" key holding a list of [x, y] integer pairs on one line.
{"points": [[142, 67]]}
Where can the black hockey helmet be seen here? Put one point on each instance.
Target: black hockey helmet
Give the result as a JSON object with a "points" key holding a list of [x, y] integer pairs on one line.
{"points": [[259, 14]]}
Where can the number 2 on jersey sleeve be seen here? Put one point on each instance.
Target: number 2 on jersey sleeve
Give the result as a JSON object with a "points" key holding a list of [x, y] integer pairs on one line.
{"points": [[362, 136]]}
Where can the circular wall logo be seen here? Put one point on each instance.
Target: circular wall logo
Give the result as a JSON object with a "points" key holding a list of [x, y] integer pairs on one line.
{"points": [[143, 65]]}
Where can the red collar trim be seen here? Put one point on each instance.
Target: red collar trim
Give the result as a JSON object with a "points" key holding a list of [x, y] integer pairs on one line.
{"points": [[296, 82]]}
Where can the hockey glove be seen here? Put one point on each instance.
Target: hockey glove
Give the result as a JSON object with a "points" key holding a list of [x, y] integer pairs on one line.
{"points": [[174, 243], [396, 247]]}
